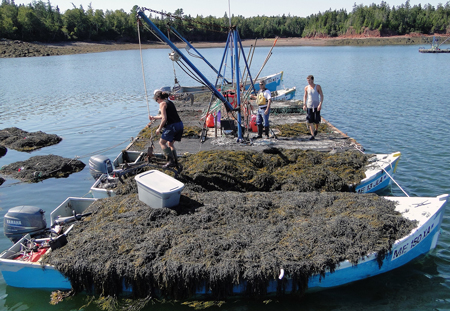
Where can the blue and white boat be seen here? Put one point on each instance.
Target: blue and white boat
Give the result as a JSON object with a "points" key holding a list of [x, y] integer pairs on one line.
{"points": [[284, 94], [379, 172], [427, 211], [21, 265]]}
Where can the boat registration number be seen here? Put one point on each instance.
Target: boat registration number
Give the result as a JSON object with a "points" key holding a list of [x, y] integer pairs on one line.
{"points": [[414, 240], [372, 185]]}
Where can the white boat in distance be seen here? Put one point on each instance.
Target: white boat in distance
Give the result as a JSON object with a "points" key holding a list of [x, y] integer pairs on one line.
{"points": [[283, 95], [427, 211], [272, 83]]}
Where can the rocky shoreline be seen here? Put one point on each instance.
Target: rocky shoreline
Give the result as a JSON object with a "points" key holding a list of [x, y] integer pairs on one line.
{"points": [[17, 48]]}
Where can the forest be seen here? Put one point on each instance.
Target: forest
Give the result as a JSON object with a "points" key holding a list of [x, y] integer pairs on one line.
{"points": [[41, 21]]}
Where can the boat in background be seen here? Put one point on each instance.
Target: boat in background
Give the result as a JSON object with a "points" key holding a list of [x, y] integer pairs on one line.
{"points": [[284, 94], [435, 47], [187, 92]]}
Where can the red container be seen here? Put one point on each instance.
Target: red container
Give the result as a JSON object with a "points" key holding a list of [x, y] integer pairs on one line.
{"points": [[253, 123], [210, 120]]}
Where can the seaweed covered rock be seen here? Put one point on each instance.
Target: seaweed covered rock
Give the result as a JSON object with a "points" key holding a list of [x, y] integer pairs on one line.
{"points": [[274, 169], [3, 151], [213, 240], [20, 140], [42, 167]]}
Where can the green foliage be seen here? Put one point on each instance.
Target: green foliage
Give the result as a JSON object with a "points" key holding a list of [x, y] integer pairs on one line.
{"points": [[40, 21]]}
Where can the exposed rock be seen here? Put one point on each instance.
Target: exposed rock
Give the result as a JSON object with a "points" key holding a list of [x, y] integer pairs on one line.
{"points": [[21, 140], [38, 168], [3, 151]]}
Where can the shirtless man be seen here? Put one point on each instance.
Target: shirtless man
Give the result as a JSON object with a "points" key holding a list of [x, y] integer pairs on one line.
{"points": [[312, 104]]}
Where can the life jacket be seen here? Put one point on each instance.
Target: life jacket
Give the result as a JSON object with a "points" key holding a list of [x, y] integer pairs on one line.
{"points": [[261, 99]]}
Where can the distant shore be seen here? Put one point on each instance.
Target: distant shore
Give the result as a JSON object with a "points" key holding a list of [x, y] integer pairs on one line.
{"points": [[15, 48]]}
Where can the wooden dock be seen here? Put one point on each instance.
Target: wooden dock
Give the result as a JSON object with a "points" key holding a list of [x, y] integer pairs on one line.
{"points": [[282, 113]]}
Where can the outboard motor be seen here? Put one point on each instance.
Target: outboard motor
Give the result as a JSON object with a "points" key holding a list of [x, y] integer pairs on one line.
{"points": [[24, 219], [99, 165]]}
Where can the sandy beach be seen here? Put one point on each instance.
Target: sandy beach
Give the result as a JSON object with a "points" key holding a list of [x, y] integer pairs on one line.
{"points": [[16, 48]]}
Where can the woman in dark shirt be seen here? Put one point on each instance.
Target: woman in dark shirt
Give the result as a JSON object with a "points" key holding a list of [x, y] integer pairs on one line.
{"points": [[171, 127]]}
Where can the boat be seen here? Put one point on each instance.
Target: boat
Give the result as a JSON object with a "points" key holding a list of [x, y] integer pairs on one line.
{"points": [[272, 82], [178, 92], [20, 264], [435, 47], [427, 211], [283, 95], [107, 175], [127, 158], [379, 172], [104, 186]]}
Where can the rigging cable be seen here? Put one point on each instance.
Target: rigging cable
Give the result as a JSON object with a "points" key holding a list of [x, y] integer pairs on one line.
{"points": [[142, 66]]}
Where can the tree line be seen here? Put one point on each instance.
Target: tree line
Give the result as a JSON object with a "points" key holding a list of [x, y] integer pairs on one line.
{"points": [[40, 21]]}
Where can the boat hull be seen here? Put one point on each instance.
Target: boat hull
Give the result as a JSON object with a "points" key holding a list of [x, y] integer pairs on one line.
{"points": [[26, 274], [283, 95], [427, 211], [379, 173]]}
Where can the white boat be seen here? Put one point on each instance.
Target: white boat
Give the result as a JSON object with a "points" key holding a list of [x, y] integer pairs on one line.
{"points": [[107, 181], [379, 172], [427, 211], [283, 95], [104, 186], [21, 266], [272, 82], [128, 158]]}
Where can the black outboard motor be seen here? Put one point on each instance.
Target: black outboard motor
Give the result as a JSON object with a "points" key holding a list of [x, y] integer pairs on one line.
{"points": [[24, 219], [99, 165]]}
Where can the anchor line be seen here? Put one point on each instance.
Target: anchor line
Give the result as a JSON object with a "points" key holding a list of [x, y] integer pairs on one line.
{"points": [[101, 150]]}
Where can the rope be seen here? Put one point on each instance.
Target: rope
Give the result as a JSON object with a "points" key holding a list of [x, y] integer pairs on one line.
{"points": [[142, 66], [100, 151], [189, 20], [103, 122]]}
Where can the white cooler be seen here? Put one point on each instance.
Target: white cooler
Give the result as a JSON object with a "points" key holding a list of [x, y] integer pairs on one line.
{"points": [[157, 189]]}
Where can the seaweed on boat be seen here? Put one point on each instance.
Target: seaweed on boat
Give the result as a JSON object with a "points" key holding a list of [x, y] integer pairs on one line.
{"points": [[213, 241], [274, 169], [38, 168], [21, 140]]}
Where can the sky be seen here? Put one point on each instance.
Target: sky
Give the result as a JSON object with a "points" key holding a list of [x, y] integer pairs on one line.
{"points": [[217, 8]]}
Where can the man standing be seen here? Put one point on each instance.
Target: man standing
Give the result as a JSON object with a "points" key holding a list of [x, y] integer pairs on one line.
{"points": [[312, 104], [263, 100]]}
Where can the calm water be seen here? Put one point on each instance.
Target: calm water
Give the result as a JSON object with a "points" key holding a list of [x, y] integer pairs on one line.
{"points": [[388, 98]]}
